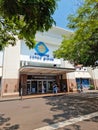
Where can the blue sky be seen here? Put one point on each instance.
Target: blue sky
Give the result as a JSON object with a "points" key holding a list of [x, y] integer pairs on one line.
{"points": [[65, 7]]}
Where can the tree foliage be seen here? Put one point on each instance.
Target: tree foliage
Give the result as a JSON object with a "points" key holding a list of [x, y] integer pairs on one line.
{"points": [[24, 18], [82, 47]]}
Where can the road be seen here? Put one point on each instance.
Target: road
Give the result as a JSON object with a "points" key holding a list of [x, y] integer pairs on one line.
{"points": [[30, 114]]}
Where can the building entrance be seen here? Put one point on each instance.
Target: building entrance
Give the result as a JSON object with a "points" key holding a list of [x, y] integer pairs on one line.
{"points": [[39, 85], [31, 87]]}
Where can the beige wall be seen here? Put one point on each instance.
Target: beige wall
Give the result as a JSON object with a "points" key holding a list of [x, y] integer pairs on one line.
{"points": [[0, 71], [10, 86], [95, 73], [53, 36], [1, 58], [66, 64], [71, 82], [11, 62], [95, 77], [96, 83], [11, 66]]}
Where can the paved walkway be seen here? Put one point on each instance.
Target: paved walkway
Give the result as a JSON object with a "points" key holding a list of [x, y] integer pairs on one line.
{"points": [[66, 112], [11, 98], [68, 122]]}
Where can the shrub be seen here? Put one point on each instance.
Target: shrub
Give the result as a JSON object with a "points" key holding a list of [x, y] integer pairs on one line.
{"points": [[91, 87]]}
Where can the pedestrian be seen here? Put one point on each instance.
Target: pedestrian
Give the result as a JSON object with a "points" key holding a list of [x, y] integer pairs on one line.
{"points": [[43, 89], [64, 87], [55, 89], [81, 87]]}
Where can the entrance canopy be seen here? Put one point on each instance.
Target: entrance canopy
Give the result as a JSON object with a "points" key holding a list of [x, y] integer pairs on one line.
{"points": [[85, 75], [44, 70]]}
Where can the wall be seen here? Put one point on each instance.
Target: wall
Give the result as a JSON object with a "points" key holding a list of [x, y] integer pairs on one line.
{"points": [[66, 64], [95, 77], [52, 39], [1, 57], [53, 36], [71, 82], [27, 55], [11, 66], [0, 71], [13, 55]]}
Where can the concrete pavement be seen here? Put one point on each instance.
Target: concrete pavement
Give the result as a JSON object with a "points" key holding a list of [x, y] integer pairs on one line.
{"points": [[63, 124], [36, 113], [11, 98]]}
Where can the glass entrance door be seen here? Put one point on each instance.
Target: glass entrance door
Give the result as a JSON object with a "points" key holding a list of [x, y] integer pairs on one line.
{"points": [[50, 86], [42, 86], [28, 87], [45, 86], [39, 86], [33, 86]]}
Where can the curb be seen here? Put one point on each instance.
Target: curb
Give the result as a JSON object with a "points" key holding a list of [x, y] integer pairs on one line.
{"points": [[9, 99], [4, 99]]}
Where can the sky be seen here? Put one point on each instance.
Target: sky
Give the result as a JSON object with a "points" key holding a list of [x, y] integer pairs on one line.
{"points": [[65, 8]]}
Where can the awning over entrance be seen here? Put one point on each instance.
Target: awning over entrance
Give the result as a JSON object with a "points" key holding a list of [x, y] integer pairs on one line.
{"points": [[82, 75], [45, 70]]}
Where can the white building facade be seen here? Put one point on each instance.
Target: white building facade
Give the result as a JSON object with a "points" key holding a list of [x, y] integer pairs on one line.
{"points": [[32, 70]]}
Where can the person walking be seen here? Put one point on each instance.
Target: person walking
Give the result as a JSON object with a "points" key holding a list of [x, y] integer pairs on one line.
{"points": [[55, 89], [81, 87], [43, 89]]}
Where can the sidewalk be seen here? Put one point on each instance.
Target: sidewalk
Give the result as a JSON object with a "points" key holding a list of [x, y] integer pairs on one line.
{"points": [[12, 98], [90, 91], [72, 122], [54, 111]]}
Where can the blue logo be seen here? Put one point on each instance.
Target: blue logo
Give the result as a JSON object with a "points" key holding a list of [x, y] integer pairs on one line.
{"points": [[41, 48]]}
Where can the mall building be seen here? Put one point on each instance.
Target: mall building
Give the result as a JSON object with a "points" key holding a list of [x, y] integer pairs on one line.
{"points": [[34, 71]]}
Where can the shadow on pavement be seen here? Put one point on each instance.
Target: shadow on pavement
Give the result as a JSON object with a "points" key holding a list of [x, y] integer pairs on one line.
{"points": [[71, 106], [94, 119], [78, 126], [5, 123]]}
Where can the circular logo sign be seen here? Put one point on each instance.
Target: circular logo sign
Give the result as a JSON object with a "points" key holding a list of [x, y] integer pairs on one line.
{"points": [[41, 48]]}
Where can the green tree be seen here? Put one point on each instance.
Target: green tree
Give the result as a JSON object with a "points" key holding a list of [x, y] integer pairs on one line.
{"points": [[24, 18], [82, 46]]}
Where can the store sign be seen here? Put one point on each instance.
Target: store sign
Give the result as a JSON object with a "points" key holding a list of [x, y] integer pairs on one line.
{"points": [[44, 58], [41, 53], [41, 49]]}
